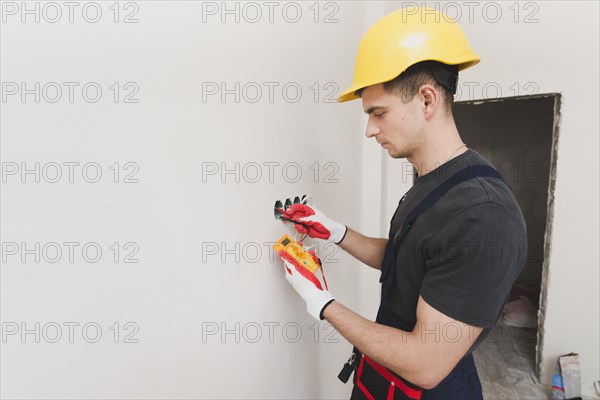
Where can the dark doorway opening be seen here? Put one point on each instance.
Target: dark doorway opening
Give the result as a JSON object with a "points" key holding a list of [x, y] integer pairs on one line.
{"points": [[519, 136]]}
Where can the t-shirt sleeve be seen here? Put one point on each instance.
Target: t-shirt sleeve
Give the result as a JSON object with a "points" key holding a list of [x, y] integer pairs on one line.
{"points": [[472, 262]]}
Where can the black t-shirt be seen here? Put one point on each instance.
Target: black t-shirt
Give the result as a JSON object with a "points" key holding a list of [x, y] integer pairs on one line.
{"points": [[462, 255]]}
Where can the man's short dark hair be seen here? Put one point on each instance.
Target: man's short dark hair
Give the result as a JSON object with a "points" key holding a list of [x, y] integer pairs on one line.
{"points": [[408, 82]]}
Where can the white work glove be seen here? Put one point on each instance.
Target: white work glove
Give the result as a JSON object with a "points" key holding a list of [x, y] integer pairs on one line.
{"points": [[311, 287], [309, 220]]}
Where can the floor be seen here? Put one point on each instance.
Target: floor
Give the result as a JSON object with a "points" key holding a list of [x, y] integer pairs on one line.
{"points": [[506, 365]]}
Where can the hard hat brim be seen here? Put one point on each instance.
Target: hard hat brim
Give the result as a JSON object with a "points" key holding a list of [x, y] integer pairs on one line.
{"points": [[382, 77]]}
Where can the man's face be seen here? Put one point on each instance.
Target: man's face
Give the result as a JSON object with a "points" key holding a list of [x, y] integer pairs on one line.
{"points": [[394, 124]]}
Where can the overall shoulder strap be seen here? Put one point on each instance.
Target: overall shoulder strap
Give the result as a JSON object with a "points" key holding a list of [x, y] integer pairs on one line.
{"points": [[470, 172]]}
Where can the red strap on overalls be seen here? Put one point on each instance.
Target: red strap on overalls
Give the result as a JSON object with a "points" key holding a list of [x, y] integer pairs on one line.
{"points": [[394, 381]]}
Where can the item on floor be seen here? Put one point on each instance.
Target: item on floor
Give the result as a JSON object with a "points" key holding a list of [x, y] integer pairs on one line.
{"points": [[524, 289], [566, 380], [521, 313]]}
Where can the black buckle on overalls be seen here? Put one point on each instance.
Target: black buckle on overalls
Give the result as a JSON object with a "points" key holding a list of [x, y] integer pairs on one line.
{"points": [[350, 366]]}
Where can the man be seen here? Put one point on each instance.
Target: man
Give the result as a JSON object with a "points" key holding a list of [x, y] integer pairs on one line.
{"points": [[457, 241]]}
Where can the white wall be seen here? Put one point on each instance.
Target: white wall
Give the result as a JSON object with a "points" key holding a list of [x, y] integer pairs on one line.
{"points": [[173, 295], [558, 53], [177, 291]]}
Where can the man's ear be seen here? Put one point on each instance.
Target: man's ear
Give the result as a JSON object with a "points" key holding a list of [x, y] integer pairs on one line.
{"points": [[430, 98]]}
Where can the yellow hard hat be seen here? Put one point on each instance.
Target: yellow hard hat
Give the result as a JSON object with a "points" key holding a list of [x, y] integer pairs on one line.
{"points": [[406, 37]]}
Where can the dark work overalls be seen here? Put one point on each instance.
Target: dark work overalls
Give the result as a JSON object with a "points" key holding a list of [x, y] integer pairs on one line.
{"points": [[371, 380]]}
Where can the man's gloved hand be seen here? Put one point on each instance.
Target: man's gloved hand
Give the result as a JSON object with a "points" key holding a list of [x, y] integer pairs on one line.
{"points": [[311, 287], [309, 220]]}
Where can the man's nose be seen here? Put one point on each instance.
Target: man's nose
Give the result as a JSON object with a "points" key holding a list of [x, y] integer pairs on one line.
{"points": [[372, 130]]}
